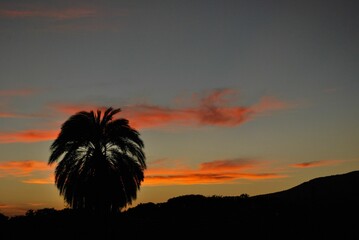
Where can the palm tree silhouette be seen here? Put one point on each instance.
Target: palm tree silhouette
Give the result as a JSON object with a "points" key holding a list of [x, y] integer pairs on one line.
{"points": [[101, 161]]}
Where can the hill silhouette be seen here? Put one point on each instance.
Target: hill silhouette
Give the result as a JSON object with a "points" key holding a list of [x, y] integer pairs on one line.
{"points": [[322, 208]]}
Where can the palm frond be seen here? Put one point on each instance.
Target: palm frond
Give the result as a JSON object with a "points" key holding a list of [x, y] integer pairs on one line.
{"points": [[100, 161]]}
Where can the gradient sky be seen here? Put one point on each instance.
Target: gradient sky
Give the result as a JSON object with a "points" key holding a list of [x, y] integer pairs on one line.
{"points": [[230, 97]]}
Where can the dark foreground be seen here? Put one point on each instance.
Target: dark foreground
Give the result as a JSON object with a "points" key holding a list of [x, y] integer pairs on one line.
{"points": [[323, 208]]}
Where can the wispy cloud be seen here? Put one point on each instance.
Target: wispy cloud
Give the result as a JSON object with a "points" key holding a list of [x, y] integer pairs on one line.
{"points": [[22, 168], [11, 115], [27, 170], [215, 108], [28, 136], [48, 180], [268, 104], [215, 172], [319, 163], [228, 164], [63, 18]]}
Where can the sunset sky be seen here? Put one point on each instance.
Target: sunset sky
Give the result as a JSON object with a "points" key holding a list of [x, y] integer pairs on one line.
{"points": [[229, 97]]}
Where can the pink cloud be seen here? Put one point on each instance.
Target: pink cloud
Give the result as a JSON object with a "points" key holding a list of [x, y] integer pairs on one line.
{"points": [[215, 108], [28, 136], [45, 11], [151, 116]]}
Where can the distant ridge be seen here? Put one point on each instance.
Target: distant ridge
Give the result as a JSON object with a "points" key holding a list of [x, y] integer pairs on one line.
{"points": [[334, 187], [321, 208], [329, 188]]}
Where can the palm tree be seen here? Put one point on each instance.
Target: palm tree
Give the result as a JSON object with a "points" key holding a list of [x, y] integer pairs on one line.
{"points": [[101, 161]]}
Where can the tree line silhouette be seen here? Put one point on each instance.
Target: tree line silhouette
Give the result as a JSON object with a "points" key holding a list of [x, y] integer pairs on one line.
{"points": [[283, 215]]}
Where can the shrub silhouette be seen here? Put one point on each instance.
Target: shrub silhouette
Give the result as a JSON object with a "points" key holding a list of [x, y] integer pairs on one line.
{"points": [[101, 161], [3, 218]]}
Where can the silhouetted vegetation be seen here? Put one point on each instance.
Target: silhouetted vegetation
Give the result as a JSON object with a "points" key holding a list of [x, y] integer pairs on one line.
{"points": [[323, 208], [101, 161]]}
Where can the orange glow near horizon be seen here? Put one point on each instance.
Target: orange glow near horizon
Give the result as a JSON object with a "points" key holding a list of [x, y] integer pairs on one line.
{"points": [[218, 171], [49, 180], [214, 172], [192, 177]]}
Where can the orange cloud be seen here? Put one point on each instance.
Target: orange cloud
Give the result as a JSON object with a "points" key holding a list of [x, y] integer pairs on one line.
{"points": [[9, 115], [28, 136], [62, 15], [269, 104], [215, 172], [315, 163], [150, 116], [213, 109], [22, 168], [26, 168]]}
